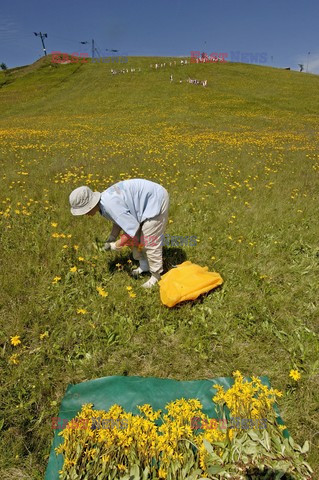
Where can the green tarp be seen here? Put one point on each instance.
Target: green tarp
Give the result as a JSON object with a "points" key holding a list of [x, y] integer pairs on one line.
{"points": [[130, 392]]}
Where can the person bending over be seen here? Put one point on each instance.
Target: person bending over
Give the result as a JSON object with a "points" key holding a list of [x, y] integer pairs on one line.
{"points": [[139, 207]]}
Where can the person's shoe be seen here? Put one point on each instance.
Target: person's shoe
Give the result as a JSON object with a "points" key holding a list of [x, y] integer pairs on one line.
{"points": [[137, 272], [151, 282], [144, 267]]}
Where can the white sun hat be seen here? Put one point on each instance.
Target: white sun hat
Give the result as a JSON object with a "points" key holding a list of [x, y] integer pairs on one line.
{"points": [[82, 200]]}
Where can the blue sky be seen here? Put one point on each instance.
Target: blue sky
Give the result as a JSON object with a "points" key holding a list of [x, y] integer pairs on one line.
{"points": [[284, 29]]}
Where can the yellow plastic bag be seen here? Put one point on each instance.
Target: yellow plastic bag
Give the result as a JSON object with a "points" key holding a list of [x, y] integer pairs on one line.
{"points": [[186, 282]]}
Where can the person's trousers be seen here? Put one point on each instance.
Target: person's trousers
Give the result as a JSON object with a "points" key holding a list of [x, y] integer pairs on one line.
{"points": [[150, 236]]}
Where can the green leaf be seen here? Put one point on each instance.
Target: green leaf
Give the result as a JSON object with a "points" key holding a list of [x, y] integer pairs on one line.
{"points": [[291, 442], [135, 472], [214, 469], [251, 450], [211, 452], [308, 466], [305, 447], [267, 441], [253, 435], [145, 473], [208, 446]]}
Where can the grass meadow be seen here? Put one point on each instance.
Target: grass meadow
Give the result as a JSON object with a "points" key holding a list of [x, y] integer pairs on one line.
{"points": [[240, 161]]}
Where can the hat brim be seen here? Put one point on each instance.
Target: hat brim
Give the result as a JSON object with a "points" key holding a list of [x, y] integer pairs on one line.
{"points": [[87, 208]]}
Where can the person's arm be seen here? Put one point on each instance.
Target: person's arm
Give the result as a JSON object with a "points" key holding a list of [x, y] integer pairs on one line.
{"points": [[114, 245], [124, 241], [116, 209], [114, 233], [127, 241]]}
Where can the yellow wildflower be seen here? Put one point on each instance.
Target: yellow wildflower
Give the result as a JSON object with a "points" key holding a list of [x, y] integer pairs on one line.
{"points": [[15, 341], [14, 359], [102, 292], [162, 473], [73, 269], [54, 224], [121, 467], [247, 399], [44, 335], [82, 311], [295, 375]]}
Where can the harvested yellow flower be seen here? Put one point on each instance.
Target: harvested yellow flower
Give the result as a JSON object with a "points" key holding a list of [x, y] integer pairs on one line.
{"points": [[162, 473], [295, 375], [121, 467], [15, 341], [149, 412], [247, 399]]}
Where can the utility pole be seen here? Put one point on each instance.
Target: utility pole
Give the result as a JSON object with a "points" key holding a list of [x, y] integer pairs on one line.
{"points": [[308, 60], [42, 36], [93, 48]]}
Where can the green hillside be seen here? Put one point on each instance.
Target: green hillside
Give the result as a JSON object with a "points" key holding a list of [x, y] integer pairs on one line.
{"points": [[240, 161]]}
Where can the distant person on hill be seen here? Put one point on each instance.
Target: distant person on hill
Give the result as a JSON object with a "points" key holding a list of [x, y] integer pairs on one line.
{"points": [[138, 207]]}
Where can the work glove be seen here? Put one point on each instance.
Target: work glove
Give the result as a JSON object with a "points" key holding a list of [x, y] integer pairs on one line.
{"points": [[107, 246], [111, 246]]}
